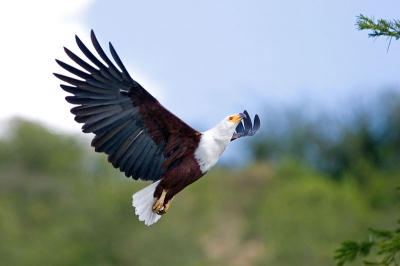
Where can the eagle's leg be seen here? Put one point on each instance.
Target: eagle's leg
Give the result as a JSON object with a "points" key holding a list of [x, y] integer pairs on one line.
{"points": [[167, 205], [159, 204]]}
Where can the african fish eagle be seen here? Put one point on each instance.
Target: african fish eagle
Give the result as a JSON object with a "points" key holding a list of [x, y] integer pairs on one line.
{"points": [[140, 136]]}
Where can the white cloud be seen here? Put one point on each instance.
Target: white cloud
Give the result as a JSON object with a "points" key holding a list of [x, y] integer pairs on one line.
{"points": [[33, 34]]}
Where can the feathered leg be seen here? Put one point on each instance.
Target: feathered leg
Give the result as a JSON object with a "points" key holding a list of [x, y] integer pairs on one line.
{"points": [[159, 204]]}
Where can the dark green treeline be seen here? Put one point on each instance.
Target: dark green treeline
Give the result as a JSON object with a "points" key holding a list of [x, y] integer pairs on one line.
{"points": [[307, 190]]}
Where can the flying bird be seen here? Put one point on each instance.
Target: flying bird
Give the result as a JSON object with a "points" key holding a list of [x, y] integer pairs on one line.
{"points": [[140, 136]]}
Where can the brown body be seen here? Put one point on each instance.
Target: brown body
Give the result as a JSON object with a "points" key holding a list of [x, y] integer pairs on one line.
{"points": [[177, 178]]}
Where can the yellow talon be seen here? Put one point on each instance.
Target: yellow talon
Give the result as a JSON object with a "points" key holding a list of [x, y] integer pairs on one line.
{"points": [[167, 205], [159, 204]]}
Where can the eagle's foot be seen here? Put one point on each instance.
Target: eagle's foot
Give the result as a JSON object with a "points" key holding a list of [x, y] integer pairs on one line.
{"points": [[158, 206], [165, 209]]}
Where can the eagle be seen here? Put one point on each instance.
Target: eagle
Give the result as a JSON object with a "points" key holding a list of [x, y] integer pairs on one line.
{"points": [[141, 137]]}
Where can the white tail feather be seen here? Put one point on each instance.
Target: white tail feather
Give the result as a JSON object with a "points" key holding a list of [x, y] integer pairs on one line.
{"points": [[143, 202]]}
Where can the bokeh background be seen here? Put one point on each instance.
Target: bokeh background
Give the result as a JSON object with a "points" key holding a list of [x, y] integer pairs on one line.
{"points": [[321, 171]]}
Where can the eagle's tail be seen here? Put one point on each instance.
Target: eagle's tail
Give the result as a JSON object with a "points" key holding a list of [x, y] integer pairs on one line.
{"points": [[143, 202]]}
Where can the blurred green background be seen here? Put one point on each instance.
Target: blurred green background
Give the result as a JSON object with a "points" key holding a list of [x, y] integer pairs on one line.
{"points": [[309, 184]]}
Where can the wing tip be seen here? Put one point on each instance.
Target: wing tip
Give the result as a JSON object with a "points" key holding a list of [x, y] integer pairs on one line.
{"points": [[93, 36]]}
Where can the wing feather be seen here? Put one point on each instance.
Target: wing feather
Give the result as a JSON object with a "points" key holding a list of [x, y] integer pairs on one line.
{"points": [[104, 141], [111, 146], [125, 73], [133, 168], [91, 110], [133, 152], [89, 54], [79, 61], [111, 68]]}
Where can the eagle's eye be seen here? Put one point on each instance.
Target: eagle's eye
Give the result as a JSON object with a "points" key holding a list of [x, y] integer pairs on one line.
{"points": [[230, 118]]}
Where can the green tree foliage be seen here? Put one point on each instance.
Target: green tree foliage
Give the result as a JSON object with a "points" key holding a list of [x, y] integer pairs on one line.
{"points": [[386, 242], [63, 204], [337, 144]]}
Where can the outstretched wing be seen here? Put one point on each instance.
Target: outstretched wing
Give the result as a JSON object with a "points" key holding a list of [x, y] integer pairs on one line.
{"points": [[245, 127], [140, 136]]}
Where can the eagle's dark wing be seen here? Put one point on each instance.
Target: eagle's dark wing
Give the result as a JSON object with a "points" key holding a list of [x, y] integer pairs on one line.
{"points": [[140, 136], [245, 127]]}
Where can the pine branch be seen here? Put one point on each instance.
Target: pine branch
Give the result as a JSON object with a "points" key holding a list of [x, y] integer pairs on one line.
{"points": [[389, 28], [350, 250], [388, 247]]}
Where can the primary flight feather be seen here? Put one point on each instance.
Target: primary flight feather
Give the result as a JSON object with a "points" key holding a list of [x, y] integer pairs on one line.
{"points": [[140, 136]]}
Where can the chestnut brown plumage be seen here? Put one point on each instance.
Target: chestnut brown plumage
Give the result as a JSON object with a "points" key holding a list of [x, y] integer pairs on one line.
{"points": [[140, 136]]}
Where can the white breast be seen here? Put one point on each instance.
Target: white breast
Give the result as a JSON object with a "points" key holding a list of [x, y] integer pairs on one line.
{"points": [[208, 152], [212, 144]]}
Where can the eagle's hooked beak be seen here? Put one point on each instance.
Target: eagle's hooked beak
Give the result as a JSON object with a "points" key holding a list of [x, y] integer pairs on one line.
{"points": [[237, 118]]}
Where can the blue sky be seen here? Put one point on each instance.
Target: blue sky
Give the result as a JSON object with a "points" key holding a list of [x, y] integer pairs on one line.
{"points": [[203, 60], [220, 57]]}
